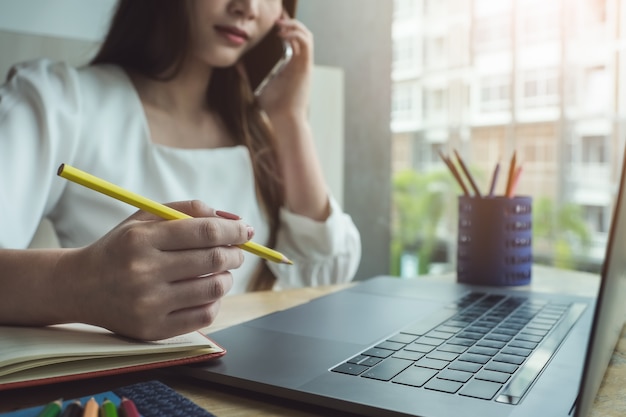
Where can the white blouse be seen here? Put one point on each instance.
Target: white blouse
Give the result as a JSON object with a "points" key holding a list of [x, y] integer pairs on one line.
{"points": [[92, 118]]}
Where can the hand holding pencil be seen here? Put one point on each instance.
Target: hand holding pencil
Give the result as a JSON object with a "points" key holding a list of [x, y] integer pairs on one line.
{"points": [[148, 278]]}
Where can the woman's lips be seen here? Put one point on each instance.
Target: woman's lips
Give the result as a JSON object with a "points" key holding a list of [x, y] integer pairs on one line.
{"points": [[232, 34]]}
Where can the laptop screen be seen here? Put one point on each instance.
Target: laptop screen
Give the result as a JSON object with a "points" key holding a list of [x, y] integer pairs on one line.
{"points": [[610, 307]]}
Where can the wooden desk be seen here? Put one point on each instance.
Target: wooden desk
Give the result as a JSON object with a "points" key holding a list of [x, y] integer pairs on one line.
{"points": [[225, 402]]}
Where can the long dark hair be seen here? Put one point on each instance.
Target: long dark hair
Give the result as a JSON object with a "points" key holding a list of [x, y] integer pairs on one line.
{"points": [[152, 38]]}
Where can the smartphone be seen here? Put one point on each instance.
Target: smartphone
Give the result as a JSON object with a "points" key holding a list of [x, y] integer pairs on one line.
{"points": [[266, 60], [269, 57]]}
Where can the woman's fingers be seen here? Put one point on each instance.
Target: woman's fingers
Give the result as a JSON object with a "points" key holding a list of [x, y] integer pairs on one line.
{"points": [[299, 35], [177, 265], [191, 319], [207, 228], [198, 233], [198, 292]]}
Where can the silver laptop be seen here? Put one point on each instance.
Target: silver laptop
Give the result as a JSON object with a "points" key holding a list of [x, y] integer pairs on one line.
{"points": [[424, 348]]}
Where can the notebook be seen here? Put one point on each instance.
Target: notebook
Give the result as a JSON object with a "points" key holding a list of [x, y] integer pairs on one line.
{"points": [[42, 355], [427, 348]]}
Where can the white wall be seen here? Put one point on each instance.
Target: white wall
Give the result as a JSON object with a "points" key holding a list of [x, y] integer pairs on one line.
{"points": [[73, 19]]}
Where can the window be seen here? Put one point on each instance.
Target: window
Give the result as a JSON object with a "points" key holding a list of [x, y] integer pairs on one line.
{"points": [[435, 51], [405, 103], [539, 23], [434, 102], [596, 11], [596, 219], [434, 8], [495, 93], [406, 54], [404, 9], [540, 88], [597, 93], [594, 150], [492, 33]]}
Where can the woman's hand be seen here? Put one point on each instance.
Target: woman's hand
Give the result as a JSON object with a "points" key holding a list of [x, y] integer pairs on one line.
{"points": [[288, 92], [150, 278]]}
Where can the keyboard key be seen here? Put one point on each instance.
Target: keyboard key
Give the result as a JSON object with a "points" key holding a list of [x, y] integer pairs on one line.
{"points": [[535, 332], [499, 337], [458, 323], [523, 344], [465, 366], [461, 341], [417, 347], [387, 369], [516, 360], [364, 360], [407, 354], [454, 375], [414, 376], [482, 350], [529, 337], [432, 363], [511, 326], [402, 338], [444, 356], [452, 348], [485, 390], [350, 368], [516, 351], [443, 385], [370, 361], [424, 340], [448, 329], [478, 329], [439, 335], [470, 335], [504, 330], [379, 353], [502, 367], [493, 376], [357, 359], [496, 344], [473, 357], [390, 345]]}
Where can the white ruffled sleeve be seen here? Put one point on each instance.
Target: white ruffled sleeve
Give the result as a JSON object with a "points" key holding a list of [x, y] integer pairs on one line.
{"points": [[38, 114], [323, 253]]}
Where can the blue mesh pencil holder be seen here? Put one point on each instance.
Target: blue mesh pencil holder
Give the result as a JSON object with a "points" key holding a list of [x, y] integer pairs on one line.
{"points": [[494, 245]]}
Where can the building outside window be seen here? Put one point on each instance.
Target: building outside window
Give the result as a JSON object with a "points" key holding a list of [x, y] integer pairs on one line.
{"points": [[542, 78]]}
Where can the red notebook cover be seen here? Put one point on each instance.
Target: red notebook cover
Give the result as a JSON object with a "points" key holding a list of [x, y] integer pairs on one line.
{"points": [[84, 344]]}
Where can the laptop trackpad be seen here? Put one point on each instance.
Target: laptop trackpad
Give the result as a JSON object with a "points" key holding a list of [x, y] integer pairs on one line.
{"points": [[349, 316]]}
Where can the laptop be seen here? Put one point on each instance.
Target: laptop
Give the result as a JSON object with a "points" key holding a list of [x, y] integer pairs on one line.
{"points": [[422, 347]]}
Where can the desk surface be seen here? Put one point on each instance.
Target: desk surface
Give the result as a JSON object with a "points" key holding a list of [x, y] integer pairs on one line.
{"points": [[224, 402]]}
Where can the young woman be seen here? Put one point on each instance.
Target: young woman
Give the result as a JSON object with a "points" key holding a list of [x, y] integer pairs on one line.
{"points": [[164, 110]]}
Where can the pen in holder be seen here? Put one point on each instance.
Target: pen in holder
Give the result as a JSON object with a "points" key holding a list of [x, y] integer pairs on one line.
{"points": [[494, 244]]}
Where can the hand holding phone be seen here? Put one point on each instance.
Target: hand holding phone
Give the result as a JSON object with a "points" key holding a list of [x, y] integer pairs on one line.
{"points": [[263, 62], [277, 68]]}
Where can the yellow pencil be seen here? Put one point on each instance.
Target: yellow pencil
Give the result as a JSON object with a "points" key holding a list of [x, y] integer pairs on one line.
{"points": [[97, 184]]}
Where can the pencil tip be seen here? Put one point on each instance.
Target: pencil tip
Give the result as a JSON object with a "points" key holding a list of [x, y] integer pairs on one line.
{"points": [[287, 261]]}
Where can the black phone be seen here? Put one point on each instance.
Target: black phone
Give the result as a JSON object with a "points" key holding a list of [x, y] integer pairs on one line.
{"points": [[268, 57], [266, 60]]}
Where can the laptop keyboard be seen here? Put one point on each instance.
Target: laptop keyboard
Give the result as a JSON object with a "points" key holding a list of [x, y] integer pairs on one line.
{"points": [[484, 346]]}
